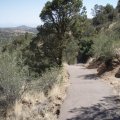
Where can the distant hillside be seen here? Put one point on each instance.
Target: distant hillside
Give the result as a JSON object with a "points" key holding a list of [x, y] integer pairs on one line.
{"points": [[10, 33], [19, 29]]}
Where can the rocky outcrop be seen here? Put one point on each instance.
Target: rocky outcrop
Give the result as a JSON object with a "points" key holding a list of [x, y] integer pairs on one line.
{"points": [[103, 66]]}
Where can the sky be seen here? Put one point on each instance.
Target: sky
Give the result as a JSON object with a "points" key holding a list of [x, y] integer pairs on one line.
{"points": [[26, 12]]}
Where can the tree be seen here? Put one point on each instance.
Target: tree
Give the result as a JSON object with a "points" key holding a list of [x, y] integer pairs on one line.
{"points": [[59, 16], [98, 9], [99, 17], [57, 39], [85, 50], [108, 9], [118, 6], [103, 14]]}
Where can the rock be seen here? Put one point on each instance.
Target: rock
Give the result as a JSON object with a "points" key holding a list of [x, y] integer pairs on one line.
{"points": [[102, 69], [27, 103], [94, 64], [57, 112], [115, 63], [117, 75]]}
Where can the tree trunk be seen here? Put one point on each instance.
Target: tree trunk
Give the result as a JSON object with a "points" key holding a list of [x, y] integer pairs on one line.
{"points": [[60, 59]]}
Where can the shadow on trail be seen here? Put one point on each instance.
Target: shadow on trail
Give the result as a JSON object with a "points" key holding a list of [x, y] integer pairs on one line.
{"points": [[107, 109], [89, 77]]}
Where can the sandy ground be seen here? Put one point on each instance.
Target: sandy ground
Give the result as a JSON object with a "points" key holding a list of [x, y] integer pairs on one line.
{"points": [[89, 97]]}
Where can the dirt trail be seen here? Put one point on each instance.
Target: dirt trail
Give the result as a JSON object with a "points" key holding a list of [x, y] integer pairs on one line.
{"points": [[88, 97]]}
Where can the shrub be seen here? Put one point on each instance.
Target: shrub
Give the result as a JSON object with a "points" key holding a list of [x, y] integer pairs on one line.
{"points": [[46, 81], [71, 51], [12, 78], [14, 82], [85, 51], [103, 47], [42, 98]]}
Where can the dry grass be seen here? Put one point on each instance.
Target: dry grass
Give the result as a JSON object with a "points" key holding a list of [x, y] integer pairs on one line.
{"points": [[35, 105], [112, 80]]}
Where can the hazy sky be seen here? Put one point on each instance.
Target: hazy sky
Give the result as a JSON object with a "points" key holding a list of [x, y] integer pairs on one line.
{"points": [[26, 12]]}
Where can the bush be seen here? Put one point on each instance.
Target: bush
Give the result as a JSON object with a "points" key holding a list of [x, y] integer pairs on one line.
{"points": [[14, 82], [85, 51], [46, 81], [12, 78], [42, 98], [71, 51], [103, 47]]}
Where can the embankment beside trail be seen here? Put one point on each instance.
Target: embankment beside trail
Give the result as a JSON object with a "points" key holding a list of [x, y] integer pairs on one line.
{"points": [[35, 105]]}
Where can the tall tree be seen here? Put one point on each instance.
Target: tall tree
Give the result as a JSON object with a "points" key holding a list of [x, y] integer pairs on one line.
{"points": [[59, 16], [118, 6], [98, 9], [103, 14], [108, 9]]}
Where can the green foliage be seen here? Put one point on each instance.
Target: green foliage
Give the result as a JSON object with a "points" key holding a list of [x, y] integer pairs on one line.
{"points": [[97, 10], [103, 47], [62, 20], [13, 72], [15, 79], [103, 14], [118, 6], [85, 49], [35, 58], [90, 31], [80, 25], [108, 9], [46, 82], [71, 51], [6, 36], [12, 77], [85, 43], [18, 43], [60, 11]]}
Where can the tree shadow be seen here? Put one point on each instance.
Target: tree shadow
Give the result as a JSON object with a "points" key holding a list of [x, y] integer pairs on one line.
{"points": [[107, 109], [89, 77]]}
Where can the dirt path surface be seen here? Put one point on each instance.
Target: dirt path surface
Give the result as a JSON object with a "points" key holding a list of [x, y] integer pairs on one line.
{"points": [[88, 97]]}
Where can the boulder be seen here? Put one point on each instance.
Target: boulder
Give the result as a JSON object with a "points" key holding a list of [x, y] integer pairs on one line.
{"points": [[102, 69], [94, 64], [115, 62], [117, 75]]}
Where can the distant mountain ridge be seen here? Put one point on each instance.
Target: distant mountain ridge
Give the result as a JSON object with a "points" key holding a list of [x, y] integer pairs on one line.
{"points": [[19, 29], [7, 34]]}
